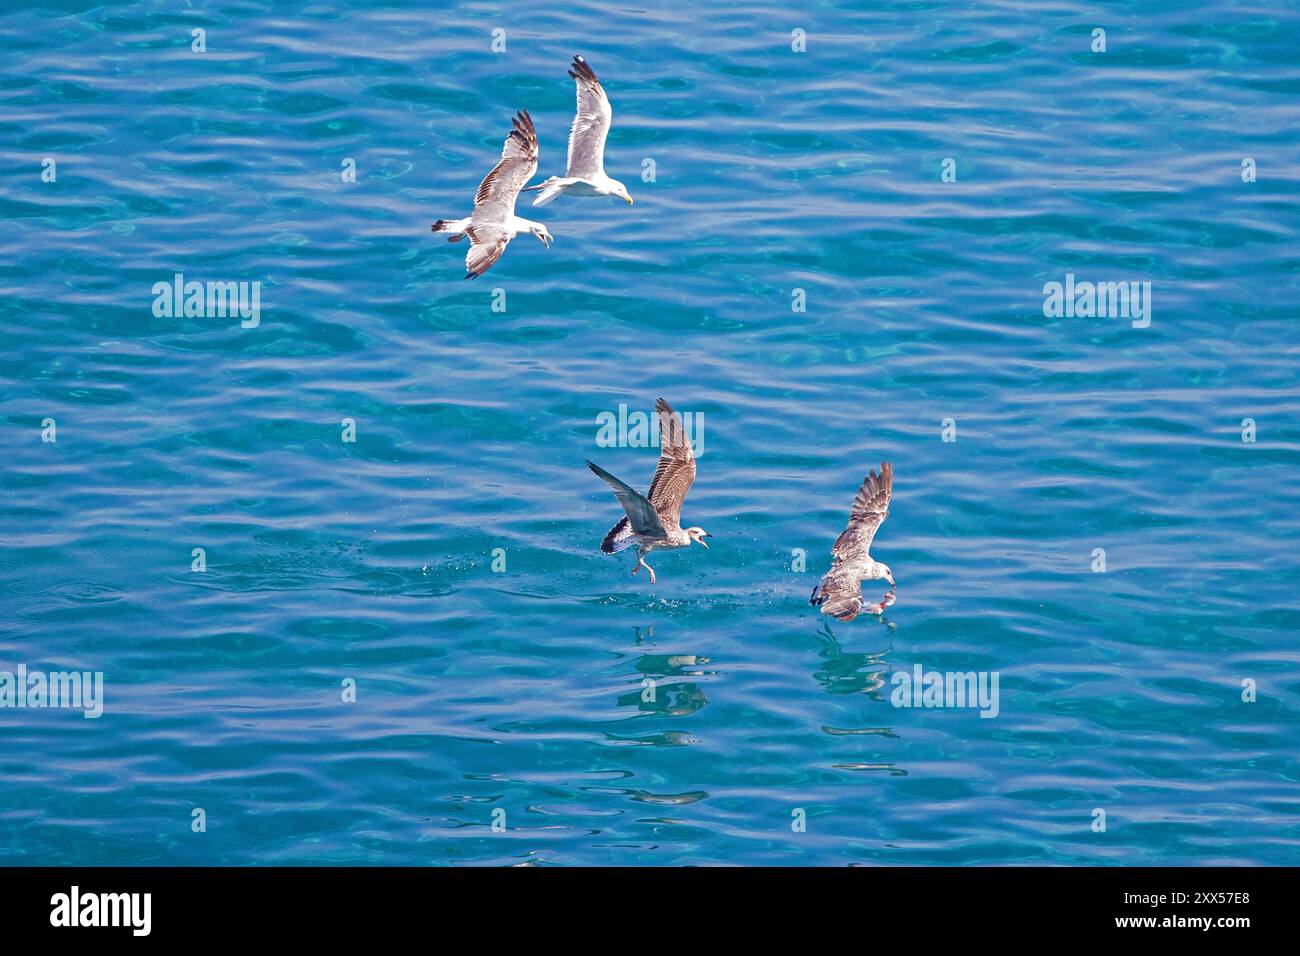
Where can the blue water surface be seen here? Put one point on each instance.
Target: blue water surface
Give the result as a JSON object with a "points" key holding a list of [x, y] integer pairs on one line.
{"points": [[447, 561]]}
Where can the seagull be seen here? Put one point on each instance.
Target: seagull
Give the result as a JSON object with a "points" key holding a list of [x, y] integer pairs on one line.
{"points": [[586, 173], [654, 521], [493, 222], [839, 593]]}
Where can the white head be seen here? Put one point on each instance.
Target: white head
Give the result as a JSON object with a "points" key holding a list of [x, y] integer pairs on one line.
{"points": [[618, 189], [538, 230], [698, 535], [882, 570]]}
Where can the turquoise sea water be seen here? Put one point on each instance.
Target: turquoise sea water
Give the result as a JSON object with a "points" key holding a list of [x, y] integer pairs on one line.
{"points": [[524, 690]]}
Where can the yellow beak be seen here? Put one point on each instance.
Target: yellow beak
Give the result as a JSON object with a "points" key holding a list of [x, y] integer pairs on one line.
{"points": [[629, 201]]}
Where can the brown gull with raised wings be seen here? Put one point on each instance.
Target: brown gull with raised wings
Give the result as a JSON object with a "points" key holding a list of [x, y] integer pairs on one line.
{"points": [[839, 593], [654, 520]]}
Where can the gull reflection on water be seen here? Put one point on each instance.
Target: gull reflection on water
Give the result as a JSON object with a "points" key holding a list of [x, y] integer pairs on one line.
{"points": [[659, 687], [844, 673], [851, 673]]}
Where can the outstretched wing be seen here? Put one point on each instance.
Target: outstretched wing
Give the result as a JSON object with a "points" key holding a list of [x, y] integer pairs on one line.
{"points": [[590, 124], [839, 593], [870, 508], [676, 470], [644, 518], [495, 201], [486, 243]]}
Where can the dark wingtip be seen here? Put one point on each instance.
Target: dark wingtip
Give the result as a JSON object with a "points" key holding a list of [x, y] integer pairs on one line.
{"points": [[581, 69]]}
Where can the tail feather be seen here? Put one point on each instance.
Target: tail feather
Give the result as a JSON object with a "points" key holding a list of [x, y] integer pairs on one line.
{"points": [[454, 226], [612, 544], [549, 191]]}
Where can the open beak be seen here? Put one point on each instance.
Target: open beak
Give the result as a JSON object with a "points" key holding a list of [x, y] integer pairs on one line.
{"points": [[702, 544]]}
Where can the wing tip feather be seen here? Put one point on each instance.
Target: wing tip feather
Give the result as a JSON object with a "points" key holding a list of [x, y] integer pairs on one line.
{"points": [[882, 482], [580, 69]]}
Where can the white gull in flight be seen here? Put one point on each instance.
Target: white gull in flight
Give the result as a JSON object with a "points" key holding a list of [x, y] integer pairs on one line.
{"points": [[586, 173], [493, 222]]}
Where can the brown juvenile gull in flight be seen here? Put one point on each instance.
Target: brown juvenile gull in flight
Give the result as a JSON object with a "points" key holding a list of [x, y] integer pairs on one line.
{"points": [[493, 222], [586, 173], [839, 593], [654, 521]]}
